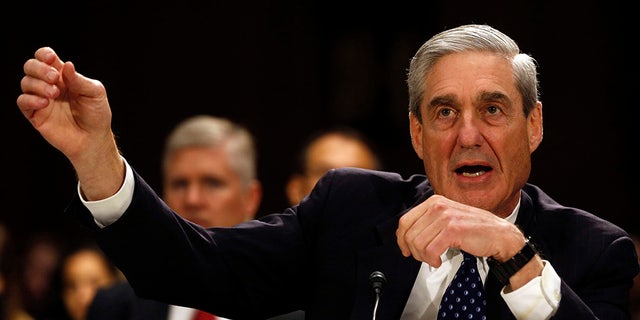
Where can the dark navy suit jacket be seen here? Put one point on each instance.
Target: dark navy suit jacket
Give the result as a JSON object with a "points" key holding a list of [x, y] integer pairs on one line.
{"points": [[318, 256]]}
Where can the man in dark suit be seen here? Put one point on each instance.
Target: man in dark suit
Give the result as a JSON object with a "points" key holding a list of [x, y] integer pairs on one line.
{"points": [[475, 119]]}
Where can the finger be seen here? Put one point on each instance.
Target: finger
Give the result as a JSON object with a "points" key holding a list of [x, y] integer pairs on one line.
{"points": [[407, 229], [80, 84], [422, 248], [420, 239], [425, 237], [50, 57], [29, 103], [34, 86], [402, 243], [404, 225], [40, 70]]}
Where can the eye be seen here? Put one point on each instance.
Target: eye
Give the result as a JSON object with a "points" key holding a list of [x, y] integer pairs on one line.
{"points": [[495, 114], [179, 184], [213, 183], [443, 116], [446, 113], [493, 109]]}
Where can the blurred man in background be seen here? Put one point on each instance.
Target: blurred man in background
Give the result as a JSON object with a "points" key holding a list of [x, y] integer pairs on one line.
{"points": [[210, 178], [335, 147]]}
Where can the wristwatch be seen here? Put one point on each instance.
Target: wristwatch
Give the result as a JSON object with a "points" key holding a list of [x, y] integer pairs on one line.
{"points": [[504, 270]]}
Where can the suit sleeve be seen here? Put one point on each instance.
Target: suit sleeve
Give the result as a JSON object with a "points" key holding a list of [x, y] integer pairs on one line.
{"points": [[172, 260]]}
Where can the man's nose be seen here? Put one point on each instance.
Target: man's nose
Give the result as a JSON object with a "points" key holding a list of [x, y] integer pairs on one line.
{"points": [[193, 194], [469, 131]]}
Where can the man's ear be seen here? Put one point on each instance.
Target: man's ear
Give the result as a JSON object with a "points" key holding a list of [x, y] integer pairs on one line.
{"points": [[534, 127], [415, 129], [253, 199]]}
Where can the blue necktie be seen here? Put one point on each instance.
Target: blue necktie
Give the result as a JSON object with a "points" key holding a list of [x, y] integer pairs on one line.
{"points": [[465, 296]]}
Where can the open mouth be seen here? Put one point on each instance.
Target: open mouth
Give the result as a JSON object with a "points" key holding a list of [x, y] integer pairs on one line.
{"points": [[473, 171]]}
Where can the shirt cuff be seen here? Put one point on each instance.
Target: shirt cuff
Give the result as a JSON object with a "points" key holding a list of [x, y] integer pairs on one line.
{"points": [[107, 211], [538, 299]]}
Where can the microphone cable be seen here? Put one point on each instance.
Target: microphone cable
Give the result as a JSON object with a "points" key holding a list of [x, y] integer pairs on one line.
{"points": [[377, 280]]}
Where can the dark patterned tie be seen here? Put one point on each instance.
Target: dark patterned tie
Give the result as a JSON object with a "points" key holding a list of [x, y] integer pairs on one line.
{"points": [[465, 296]]}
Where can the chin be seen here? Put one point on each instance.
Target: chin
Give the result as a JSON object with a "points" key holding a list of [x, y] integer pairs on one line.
{"points": [[476, 199]]}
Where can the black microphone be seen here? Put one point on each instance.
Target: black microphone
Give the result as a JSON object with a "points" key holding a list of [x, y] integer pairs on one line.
{"points": [[377, 280]]}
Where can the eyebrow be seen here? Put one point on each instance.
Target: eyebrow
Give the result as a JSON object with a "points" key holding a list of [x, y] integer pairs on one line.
{"points": [[494, 96], [447, 99], [450, 99]]}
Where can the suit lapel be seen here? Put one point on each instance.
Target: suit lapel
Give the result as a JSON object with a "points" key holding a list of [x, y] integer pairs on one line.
{"points": [[400, 274]]}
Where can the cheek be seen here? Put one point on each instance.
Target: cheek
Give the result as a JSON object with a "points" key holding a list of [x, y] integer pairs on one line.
{"points": [[222, 201], [518, 153], [519, 142], [438, 146]]}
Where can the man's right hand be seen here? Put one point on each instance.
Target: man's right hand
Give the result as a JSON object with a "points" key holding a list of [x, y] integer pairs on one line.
{"points": [[72, 113]]}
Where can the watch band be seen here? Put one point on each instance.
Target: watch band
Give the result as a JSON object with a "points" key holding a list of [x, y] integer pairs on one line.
{"points": [[504, 270]]}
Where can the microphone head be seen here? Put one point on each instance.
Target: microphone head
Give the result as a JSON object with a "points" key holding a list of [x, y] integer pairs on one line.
{"points": [[377, 279]]}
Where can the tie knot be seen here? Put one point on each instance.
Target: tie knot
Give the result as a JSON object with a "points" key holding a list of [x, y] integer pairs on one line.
{"points": [[468, 256]]}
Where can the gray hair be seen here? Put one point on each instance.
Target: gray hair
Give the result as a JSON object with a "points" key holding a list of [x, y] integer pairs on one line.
{"points": [[212, 132], [472, 37]]}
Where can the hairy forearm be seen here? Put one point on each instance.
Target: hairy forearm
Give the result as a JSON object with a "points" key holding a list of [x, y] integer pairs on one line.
{"points": [[100, 173]]}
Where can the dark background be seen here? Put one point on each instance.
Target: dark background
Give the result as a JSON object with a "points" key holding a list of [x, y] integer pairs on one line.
{"points": [[287, 68]]}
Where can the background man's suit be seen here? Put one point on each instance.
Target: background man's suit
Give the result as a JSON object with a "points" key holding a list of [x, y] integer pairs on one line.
{"points": [[121, 302]]}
